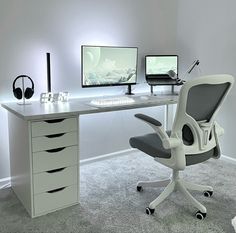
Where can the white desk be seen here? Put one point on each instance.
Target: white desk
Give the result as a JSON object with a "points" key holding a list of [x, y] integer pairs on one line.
{"points": [[44, 150]]}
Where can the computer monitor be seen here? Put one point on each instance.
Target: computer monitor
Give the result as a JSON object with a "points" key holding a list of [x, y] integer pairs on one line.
{"points": [[161, 66], [108, 65]]}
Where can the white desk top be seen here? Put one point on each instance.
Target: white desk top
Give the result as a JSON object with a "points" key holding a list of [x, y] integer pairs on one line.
{"points": [[37, 111]]}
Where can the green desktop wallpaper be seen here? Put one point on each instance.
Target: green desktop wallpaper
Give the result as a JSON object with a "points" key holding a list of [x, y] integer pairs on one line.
{"points": [[161, 64], [108, 65]]}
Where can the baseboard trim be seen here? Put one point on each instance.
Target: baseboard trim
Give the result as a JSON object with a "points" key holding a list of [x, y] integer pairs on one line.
{"points": [[106, 156], [5, 183], [229, 159]]}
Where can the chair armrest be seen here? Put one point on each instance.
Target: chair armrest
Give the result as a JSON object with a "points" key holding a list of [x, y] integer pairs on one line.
{"points": [[167, 142], [148, 119]]}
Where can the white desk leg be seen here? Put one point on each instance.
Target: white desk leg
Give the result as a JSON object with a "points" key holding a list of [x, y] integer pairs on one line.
{"points": [[169, 116], [166, 117]]}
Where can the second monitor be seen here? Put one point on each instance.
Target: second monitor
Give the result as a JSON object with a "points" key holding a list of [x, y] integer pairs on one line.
{"points": [[161, 69]]}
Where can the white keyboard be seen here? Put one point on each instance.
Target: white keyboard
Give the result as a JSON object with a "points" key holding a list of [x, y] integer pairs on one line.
{"points": [[112, 101]]}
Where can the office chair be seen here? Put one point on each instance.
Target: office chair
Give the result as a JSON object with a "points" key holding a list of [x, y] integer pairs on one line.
{"points": [[193, 139]]}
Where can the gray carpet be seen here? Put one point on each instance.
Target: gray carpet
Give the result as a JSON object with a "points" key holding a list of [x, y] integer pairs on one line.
{"points": [[110, 203]]}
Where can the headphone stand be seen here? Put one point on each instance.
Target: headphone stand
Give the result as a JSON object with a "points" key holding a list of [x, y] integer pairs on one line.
{"points": [[23, 97]]}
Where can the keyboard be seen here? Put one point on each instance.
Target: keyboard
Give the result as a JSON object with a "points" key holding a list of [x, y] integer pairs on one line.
{"points": [[112, 101]]}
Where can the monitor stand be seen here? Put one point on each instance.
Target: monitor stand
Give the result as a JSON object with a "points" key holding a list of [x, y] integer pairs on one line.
{"points": [[172, 90], [151, 90], [129, 92]]}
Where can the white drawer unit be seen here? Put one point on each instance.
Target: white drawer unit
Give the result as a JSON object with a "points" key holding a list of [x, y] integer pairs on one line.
{"points": [[55, 179], [55, 199], [53, 126], [44, 163], [53, 141], [55, 158]]}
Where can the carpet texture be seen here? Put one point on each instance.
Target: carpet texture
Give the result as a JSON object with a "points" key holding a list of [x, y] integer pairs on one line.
{"points": [[110, 203]]}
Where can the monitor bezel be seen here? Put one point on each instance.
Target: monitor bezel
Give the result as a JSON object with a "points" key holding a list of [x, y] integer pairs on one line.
{"points": [[108, 85], [161, 75]]}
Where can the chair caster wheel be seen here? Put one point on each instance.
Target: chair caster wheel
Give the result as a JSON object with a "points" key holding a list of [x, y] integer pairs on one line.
{"points": [[208, 193], [200, 215], [139, 188], [150, 211]]}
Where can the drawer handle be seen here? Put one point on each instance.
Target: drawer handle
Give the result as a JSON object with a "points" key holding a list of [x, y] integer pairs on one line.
{"points": [[55, 135], [56, 170], [55, 150], [54, 121], [56, 190]]}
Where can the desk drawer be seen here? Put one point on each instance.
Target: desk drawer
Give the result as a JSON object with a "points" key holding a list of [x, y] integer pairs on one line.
{"points": [[55, 199], [55, 179], [54, 126], [54, 141], [55, 158]]}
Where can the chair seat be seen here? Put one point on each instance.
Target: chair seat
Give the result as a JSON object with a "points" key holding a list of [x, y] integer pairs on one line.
{"points": [[151, 144]]}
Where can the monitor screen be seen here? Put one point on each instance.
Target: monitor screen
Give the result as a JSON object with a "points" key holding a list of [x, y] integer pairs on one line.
{"points": [[108, 66], [161, 64]]}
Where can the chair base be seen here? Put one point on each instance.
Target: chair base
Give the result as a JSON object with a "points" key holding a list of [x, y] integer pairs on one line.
{"points": [[173, 184]]}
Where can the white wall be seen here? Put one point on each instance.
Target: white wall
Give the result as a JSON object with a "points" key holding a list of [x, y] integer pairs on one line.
{"points": [[30, 28], [206, 30]]}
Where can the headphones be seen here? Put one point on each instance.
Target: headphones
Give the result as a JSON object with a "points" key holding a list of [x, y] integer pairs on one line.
{"points": [[18, 93]]}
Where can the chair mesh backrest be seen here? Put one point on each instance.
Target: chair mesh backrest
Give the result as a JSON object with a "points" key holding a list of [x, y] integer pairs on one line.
{"points": [[204, 99], [199, 101]]}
